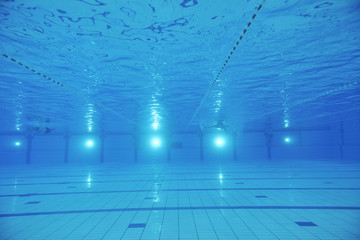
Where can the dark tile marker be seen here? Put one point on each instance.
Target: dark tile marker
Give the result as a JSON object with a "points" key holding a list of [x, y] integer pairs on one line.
{"points": [[306, 224], [137, 225], [33, 202]]}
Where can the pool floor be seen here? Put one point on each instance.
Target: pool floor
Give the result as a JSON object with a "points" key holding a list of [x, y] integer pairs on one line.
{"points": [[304, 200]]}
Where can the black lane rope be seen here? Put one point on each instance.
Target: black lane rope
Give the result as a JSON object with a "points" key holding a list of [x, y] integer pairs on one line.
{"points": [[226, 61], [65, 87], [31, 69]]}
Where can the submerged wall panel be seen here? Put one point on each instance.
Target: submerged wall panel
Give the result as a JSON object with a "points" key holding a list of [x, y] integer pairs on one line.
{"points": [[334, 142], [80, 151], [10, 153], [119, 148], [252, 153], [47, 149]]}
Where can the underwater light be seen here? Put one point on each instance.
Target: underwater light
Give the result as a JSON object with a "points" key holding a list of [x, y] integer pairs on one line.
{"points": [[17, 143], [90, 143], [287, 140], [219, 142], [156, 142]]}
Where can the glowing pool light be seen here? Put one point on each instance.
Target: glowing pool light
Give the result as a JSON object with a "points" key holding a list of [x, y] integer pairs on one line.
{"points": [[219, 142], [89, 143], [156, 142]]}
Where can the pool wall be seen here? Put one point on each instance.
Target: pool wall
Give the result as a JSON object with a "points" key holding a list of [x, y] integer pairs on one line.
{"points": [[332, 142]]}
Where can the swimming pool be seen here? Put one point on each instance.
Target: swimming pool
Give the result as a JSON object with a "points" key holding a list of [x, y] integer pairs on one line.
{"points": [[179, 119]]}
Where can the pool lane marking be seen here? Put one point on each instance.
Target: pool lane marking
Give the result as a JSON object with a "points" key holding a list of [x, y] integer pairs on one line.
{"points": [[76, 92], [247, 26], [182, 179], [180, 209], [181, 173], [184, 190]]}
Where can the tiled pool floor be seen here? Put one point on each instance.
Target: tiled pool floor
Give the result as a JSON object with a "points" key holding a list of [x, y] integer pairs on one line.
{"points": [[233, 201]]}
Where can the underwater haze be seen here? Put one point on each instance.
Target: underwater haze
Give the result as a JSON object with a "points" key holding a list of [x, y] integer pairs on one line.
{"points": [[179, 119]]}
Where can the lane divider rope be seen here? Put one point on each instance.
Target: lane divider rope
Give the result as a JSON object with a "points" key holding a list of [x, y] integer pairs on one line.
{"points": [[65, 87], [247, 26]]}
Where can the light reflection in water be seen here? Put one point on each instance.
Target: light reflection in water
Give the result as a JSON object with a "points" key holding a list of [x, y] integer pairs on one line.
{"points": [[285, 100], [157, 80], [89, 116], [19, 110], [89, 181]]}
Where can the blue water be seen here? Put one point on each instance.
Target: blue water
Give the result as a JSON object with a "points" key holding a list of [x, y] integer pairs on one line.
{"points": [[179, 119]]}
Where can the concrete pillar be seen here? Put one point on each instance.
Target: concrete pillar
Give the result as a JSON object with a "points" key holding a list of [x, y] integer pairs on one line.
{"points": [[102, 148], [136, 148], [341, 140], [268, 136], [168, 147], [235, 146], [201, 135], [169, 153], [29, 138], [66, 152]]}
